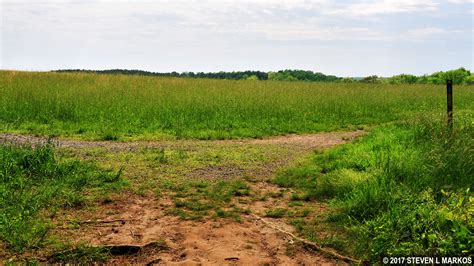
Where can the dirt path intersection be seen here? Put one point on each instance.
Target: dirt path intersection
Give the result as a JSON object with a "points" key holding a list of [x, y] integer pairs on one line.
{"points": [[130, 219]]}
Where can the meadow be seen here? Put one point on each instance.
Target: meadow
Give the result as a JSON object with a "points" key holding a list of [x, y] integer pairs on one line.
{"points": [[404, 188], [109, 107]]}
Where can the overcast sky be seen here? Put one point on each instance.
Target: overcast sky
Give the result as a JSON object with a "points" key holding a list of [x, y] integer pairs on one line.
{"points": [[341, 37]]}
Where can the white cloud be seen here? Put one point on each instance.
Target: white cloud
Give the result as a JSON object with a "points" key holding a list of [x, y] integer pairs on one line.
{"points": [[324, 33], [218, 20], [423, 34], [281, 20], [385, 7], [461, 1]]}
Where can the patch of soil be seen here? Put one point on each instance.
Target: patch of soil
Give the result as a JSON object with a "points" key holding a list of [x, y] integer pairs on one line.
{"points": [[218, 172], [211, 242], [320, 140]]}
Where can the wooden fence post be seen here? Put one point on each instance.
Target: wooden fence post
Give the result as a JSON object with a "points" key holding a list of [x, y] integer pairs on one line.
{"points": [[449, 91]]}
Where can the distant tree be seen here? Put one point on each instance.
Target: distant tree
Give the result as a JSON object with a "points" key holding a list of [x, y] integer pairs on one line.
{"points": [[300, 75], [403, 79], [457, 76], [469, 80], [272, 75], [370, 79], [348, 80]]}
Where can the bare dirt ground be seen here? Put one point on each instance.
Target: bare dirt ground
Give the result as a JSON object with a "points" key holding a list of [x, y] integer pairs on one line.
{"points": [[139, 221], [310, 141], [130, 220]]}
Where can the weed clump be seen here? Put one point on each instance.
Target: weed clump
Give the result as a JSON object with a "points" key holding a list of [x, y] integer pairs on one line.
{"points": [[34, 180], [276, 213], [194, 199]]}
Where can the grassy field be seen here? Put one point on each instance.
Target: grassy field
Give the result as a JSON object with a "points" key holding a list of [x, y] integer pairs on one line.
{"points": [[106, 107], [405, 188]]}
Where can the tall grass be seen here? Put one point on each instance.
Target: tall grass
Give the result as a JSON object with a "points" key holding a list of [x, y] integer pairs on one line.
{"points": [[113, 107], [404, 189], [34, 184]]}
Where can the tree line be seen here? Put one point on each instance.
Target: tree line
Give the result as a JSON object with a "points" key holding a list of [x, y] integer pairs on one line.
{"points": [[459, 76]]}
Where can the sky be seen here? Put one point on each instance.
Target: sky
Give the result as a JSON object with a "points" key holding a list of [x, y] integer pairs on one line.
{"points": [[341, 37]]}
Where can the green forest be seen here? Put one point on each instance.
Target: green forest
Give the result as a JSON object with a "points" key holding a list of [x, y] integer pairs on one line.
{"points": [[459, 76]]}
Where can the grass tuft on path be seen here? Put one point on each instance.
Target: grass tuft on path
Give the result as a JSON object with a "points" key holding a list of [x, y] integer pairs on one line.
{"points": [[195, 199]]}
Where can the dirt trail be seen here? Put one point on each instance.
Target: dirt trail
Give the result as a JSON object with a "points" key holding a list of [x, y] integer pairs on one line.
{"points": [[309, 141], [137, 220]]}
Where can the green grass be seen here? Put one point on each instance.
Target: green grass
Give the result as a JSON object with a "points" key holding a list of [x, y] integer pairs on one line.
{"points": [[198, 199], [82, 254], [404, 189], [276, 213], [35, 185], [131, 107]]}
